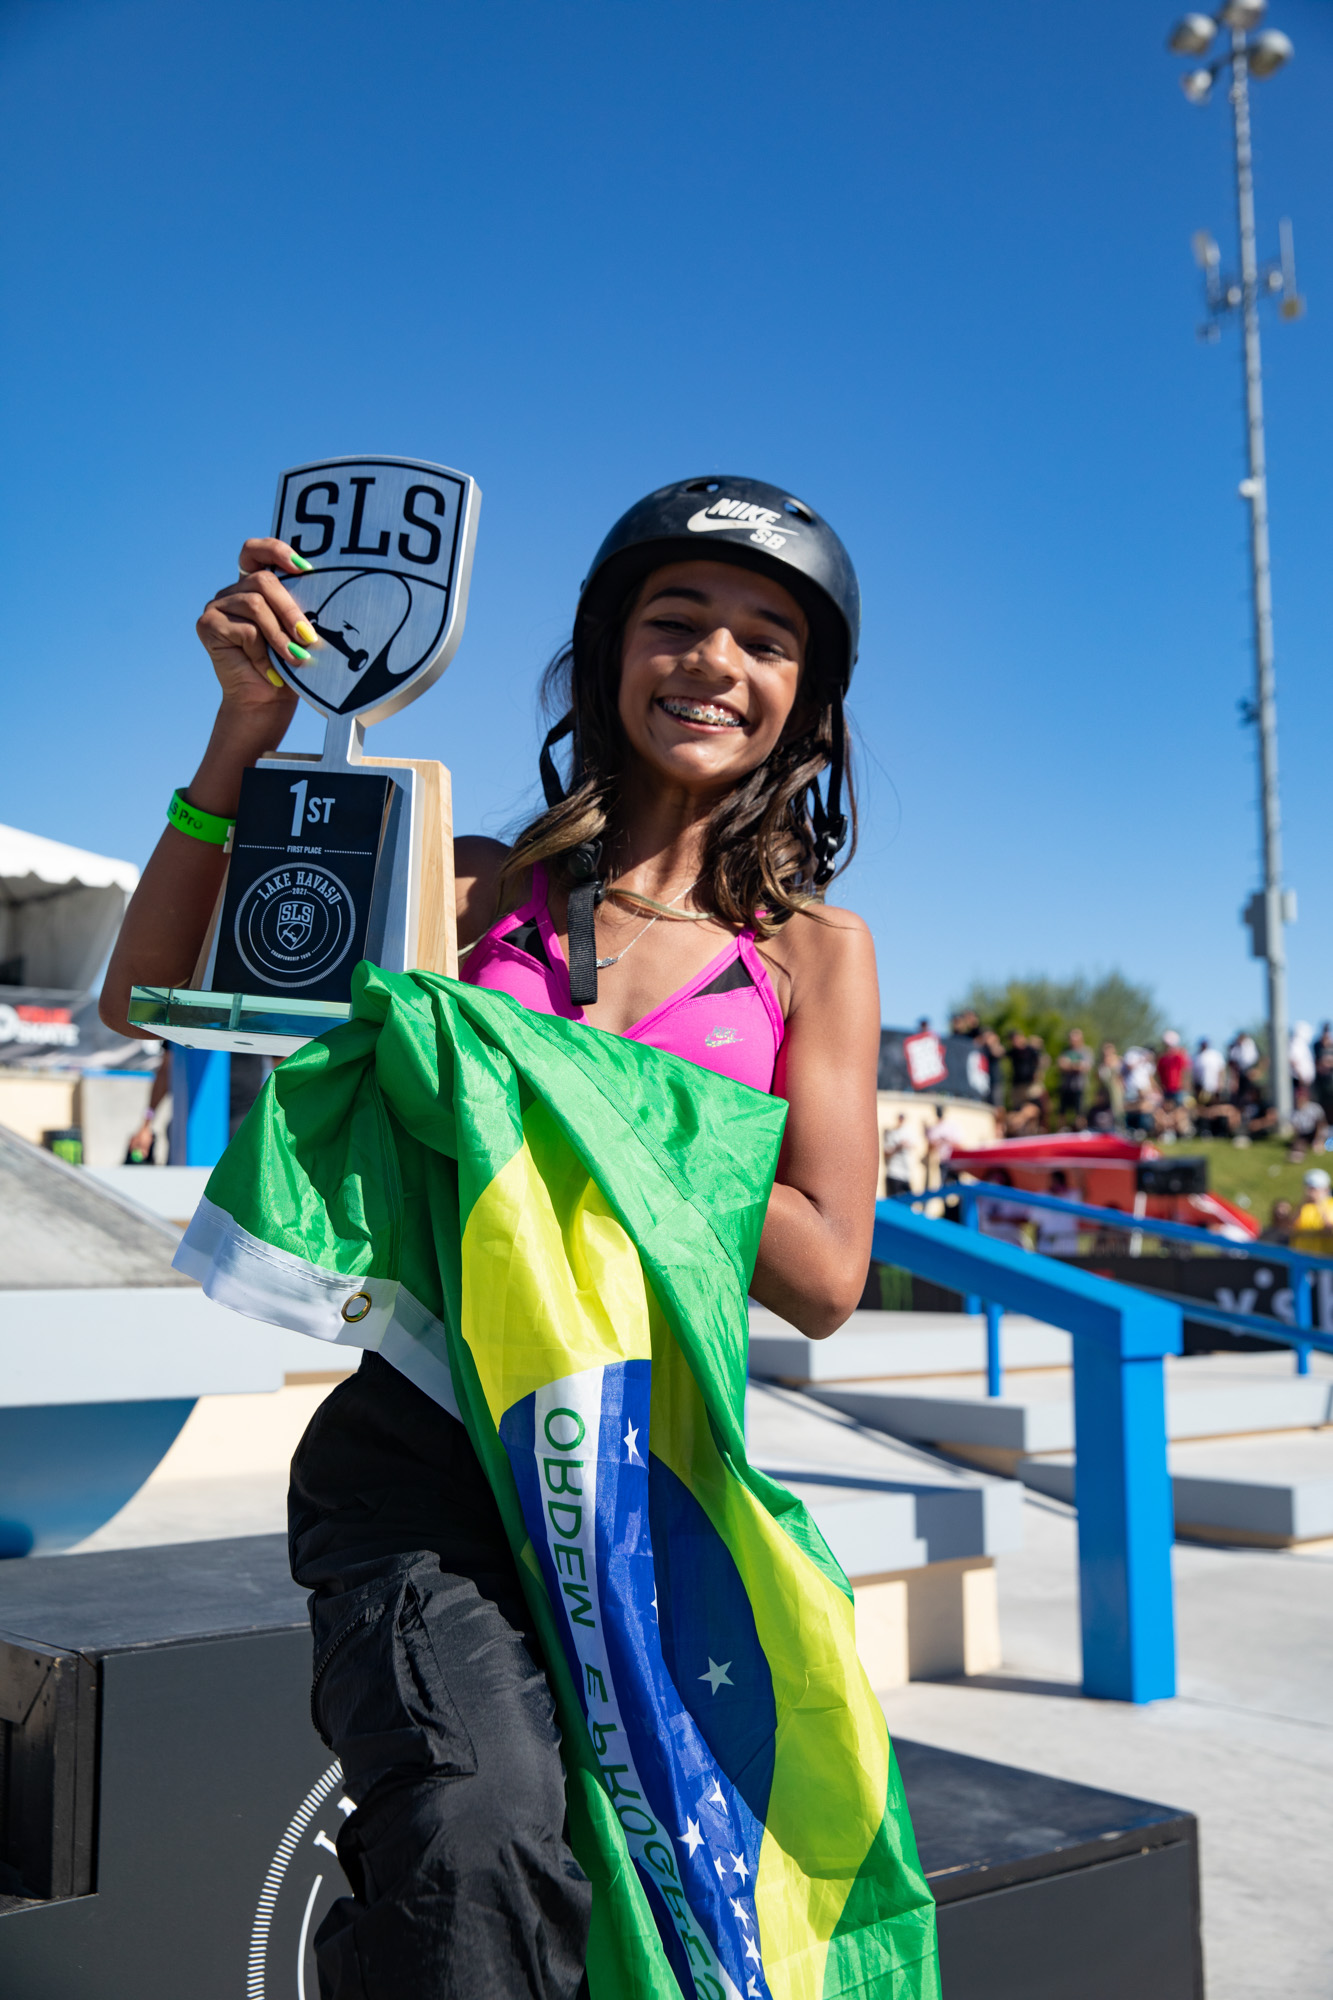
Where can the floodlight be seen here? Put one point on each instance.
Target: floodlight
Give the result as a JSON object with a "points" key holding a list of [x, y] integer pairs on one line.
{"points": [[1269, 51], [1192, 35], [1243, 14], [1206, 253], [1293, 305], [1197, 85]]}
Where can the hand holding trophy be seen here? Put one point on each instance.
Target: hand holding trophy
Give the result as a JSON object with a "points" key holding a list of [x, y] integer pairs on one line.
{"points": [[336, 857]]}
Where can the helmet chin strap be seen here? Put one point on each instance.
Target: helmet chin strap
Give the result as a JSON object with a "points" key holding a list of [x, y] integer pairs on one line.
{"points": [[551, 785], [827, 817], [584, 864]]}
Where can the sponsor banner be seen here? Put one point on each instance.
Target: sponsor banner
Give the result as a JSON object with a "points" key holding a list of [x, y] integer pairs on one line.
{"points": [[945, 1065], [41, 1026], [1248, 1284]]}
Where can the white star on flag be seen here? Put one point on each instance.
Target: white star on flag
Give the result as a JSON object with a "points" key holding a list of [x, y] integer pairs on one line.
{"points": [[717, 1676], [715, 1797], [717, 1863], [752, 1949], [738, 1863], [654, 1600], [750, 1987], [632, 1444], [740, 1913], [691, 1836]]}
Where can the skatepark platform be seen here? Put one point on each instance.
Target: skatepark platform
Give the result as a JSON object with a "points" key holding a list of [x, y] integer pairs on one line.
{"points": [[179, 1811]]}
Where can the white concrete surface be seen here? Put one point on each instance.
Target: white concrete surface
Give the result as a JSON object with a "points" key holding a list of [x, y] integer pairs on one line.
{"points": [[174, 1193], [1276, 1486], [1207, 1396], [900, 1345], [1247, 1744], [126, 1343]]}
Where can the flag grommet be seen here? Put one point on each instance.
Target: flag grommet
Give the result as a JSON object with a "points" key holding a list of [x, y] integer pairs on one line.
{"points": [[355, 1309]]}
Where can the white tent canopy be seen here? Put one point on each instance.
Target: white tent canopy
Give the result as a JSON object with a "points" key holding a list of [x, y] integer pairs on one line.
{"points": [[60, 909]]}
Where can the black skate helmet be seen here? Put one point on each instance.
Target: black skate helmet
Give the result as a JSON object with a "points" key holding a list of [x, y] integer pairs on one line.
{"points": [[741, 521], [755, 526]]}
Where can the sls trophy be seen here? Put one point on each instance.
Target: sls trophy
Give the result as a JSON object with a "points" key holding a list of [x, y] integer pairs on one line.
{"points": [[340, 857]]}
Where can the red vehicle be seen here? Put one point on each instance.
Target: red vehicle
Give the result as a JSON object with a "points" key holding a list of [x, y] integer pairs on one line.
{"points": [[1100, 1169]]}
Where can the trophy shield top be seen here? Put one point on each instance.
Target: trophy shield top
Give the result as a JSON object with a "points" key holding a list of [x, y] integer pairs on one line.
{"points": [[390, 544]]}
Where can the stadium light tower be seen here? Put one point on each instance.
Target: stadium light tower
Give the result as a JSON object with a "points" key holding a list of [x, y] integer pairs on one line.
{"points": [[1252, 52]]}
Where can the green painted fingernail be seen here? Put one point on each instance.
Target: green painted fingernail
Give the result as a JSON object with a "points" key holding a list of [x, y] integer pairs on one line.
{"points": [[300, 561], [297, 652]]}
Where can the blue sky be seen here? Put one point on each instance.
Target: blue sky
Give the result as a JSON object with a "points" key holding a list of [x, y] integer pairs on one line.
{"points": [[934, 278]]}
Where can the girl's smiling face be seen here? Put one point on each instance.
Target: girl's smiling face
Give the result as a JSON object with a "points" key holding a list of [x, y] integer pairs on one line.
{"points": [[711, 665]]}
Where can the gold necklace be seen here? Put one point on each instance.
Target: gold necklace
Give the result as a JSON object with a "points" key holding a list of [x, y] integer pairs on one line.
{"points": [[659, 910]]}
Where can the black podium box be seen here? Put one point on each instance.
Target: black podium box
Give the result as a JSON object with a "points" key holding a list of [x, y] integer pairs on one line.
{"points": [[167, 1812], [1053, 1891]]}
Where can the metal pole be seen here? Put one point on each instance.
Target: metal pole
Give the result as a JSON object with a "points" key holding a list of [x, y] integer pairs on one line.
{"points": [[1264, 689], [994, 1357]]}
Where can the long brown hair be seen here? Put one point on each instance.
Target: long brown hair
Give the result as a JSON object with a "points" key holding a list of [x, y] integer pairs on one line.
{"points": [[760, 850]]}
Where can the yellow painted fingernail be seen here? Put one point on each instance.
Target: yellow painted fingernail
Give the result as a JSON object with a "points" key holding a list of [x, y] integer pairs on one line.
{"points": [[305, 633], [275, 677]]}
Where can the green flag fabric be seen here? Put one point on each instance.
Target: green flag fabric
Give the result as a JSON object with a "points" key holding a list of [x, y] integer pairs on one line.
{"points": [[554, 1230]]}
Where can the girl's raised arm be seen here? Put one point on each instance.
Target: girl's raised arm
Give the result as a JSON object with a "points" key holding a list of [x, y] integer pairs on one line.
{"points": [[167, 919]]}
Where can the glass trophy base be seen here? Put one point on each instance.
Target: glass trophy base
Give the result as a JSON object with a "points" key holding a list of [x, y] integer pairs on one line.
{"points": [[240, 1021]]}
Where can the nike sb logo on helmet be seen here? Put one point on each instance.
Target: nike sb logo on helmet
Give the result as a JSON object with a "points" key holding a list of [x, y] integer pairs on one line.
{"points": [[763, 521]]}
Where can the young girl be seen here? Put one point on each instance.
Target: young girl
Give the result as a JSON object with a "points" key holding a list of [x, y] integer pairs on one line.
{"points": [[672, 894]]}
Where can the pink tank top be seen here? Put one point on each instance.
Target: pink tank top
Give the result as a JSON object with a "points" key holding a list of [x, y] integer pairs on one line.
{"points": [[726, 1018]]}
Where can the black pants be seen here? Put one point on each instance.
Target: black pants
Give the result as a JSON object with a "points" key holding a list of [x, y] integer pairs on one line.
{"points": [[428, 1685]]}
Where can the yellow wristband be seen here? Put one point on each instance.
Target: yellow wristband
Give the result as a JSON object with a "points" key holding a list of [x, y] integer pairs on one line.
{"points": [[210, 827]]}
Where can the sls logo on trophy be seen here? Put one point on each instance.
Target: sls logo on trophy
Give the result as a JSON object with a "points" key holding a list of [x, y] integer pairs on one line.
{"points": [[337, 858], [292, 942], [384, 537]]}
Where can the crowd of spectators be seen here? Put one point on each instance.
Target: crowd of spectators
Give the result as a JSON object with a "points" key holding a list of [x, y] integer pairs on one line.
{"points": [[1163, 1092]]}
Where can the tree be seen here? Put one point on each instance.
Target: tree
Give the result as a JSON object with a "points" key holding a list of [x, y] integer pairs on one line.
{"points": [[1109, 1009]]}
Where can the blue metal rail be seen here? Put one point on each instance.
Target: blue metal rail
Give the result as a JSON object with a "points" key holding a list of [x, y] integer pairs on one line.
{"points": [[1302, 1335], [1125, 1528]]}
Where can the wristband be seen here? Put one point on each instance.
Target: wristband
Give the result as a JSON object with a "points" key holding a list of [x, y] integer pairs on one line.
{"points": [[210, 827]]}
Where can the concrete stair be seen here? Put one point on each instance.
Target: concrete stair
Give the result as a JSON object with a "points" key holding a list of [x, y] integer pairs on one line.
{"points": [[897, 1345], [1271, 1491], [1251, 1441], [916, 1536], [1207, 1396]]}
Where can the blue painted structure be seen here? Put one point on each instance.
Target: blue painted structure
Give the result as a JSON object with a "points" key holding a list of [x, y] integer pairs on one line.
{"points": [[1125, 1527], [200, 1106], [65, 1468]]}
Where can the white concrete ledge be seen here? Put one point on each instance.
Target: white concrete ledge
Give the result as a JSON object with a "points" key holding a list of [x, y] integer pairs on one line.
{"points": [[127, 1344], [898, 1344], [1271, 1491], [1207, 1396]]}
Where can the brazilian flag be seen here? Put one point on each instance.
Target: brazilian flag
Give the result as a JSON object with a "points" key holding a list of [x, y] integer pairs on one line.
{"points": [[553, 1230]]}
